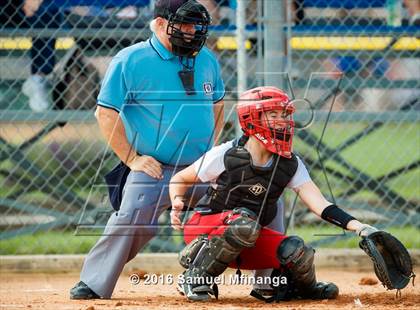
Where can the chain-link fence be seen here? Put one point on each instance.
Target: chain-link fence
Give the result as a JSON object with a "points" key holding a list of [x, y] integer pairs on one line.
{"points": [[352, 65]]}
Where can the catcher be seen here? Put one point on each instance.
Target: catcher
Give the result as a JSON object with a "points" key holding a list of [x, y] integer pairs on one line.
{"points": [[247, 176]]}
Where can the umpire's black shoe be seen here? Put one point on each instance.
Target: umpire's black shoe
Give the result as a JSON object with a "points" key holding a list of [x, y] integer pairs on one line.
{"points": [[82, 291], [323, 290]]}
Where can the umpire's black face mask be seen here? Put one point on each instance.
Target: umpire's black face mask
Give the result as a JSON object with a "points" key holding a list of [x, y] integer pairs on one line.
{"points": [[188, 29], [186, 39]]}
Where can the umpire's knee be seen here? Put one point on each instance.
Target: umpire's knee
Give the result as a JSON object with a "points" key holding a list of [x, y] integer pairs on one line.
{"points": [[136, 220]]}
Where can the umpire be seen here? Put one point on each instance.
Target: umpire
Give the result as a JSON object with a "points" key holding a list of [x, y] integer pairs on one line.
{"points": [[157, 111]]}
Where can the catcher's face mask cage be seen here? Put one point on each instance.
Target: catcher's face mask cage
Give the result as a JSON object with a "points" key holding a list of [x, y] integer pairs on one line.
{"points": [[267, 114], [188, 29]]}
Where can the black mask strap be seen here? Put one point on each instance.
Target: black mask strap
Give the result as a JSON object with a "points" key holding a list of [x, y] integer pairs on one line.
{"points": [[187, 74]]}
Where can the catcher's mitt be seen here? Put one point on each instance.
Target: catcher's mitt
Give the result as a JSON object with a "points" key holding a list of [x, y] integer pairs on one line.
{"points": [[391, 260]]}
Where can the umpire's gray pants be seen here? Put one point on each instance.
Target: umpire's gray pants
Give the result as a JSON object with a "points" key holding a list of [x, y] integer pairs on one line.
{"points": [[129, 229]]}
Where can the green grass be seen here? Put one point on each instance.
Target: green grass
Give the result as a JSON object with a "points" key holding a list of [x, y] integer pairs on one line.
{"points": [[393, 146], [67, 243], [53, 242]]}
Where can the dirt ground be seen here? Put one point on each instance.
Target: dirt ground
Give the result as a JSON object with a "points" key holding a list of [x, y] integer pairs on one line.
{"points": [[51, 291]]}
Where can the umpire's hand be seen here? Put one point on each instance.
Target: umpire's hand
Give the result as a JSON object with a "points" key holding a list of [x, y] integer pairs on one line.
{"points": [[146, 164], [177, 206]]}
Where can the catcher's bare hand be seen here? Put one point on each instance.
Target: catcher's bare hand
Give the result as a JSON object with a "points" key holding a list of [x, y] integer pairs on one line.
{"points": [[177, 206], [365, 230], [146, 164]]}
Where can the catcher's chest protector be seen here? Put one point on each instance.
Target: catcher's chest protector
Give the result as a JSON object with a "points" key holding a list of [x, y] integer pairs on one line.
{"points": [[244, 185]]}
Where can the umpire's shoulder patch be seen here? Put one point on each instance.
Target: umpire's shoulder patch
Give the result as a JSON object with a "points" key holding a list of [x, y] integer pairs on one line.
{"points": [[208, 88]]}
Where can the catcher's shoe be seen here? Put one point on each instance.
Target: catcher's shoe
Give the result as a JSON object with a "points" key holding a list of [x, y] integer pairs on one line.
{"points": [[322, 290], [200, 293], [196, 292], [267, 293], [82, 291]]}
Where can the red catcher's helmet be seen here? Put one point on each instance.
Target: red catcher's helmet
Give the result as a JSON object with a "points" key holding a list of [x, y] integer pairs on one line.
{"points": [[275, 135]]}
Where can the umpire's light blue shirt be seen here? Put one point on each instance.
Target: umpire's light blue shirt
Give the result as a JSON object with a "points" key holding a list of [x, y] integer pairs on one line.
{"points": [[160, 119]]}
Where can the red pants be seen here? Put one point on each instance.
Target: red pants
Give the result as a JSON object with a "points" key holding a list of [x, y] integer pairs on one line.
{"points": [[261, 256]]}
